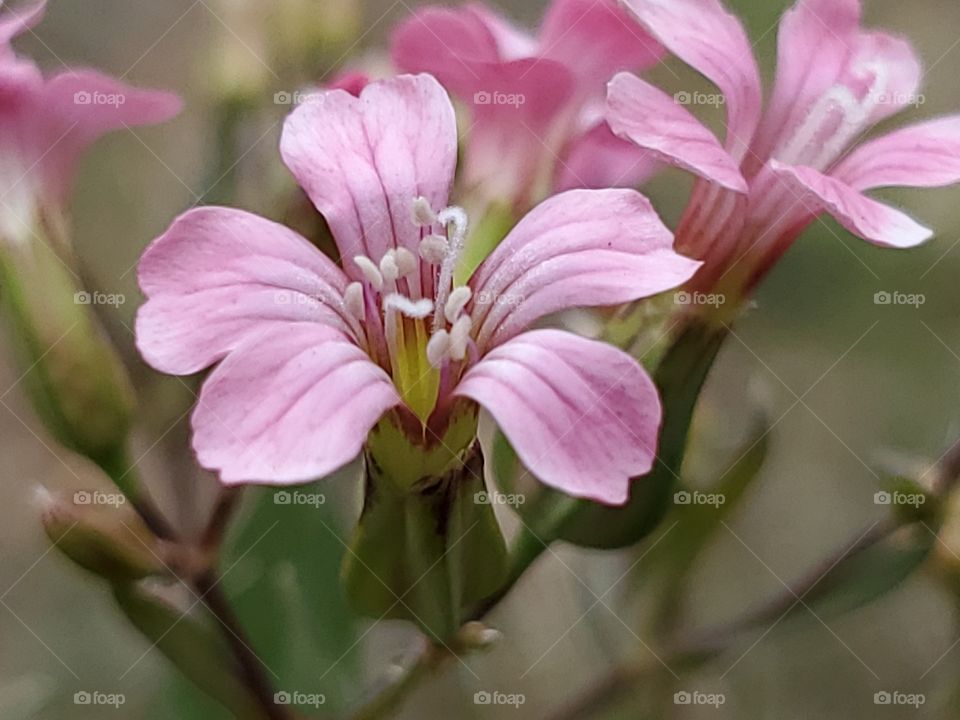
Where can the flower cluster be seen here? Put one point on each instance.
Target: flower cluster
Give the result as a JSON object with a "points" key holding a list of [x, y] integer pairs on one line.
{"points": [[406, 338]]}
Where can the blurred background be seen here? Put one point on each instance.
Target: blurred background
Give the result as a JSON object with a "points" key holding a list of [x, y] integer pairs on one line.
{"points": [[847, 383]]}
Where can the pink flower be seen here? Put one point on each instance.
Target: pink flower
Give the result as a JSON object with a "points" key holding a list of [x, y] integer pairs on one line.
{"points": [[536, 102], [47, 122], [313, 355], [781, 168]]}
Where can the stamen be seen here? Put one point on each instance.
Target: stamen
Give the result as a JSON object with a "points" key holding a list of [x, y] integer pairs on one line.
{"points": [[423, 214], [460, 336], [388, 267], [456, 302], [370, 271], [405, 306], [438, 348], [353, 300], [405, 260], [434, 248]]}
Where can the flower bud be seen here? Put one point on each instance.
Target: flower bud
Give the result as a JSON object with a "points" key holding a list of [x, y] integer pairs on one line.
{"points": [[102, 533]]}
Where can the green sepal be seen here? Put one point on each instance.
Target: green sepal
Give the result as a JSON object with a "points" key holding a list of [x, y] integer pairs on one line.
{"points": [[426, 555]]}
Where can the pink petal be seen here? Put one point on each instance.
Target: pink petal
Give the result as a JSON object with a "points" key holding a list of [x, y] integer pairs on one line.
{"points": [[896, 72], [599, 159], [17, 21], [583, 416], [579, 248], [596, 38], [647, 116], [873, 221], [219, 276], [712, 41], [363, 161], [289, 405], [923, 155], [512, 42]]}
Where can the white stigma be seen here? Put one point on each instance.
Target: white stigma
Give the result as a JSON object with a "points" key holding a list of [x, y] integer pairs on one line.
{"points": [[457, 217], [423, 214], [370, 271], [438, 347], [416, 309], [434, 248], [353, 300], [456, 302]]}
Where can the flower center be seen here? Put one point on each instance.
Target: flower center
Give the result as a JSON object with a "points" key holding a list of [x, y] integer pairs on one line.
{"points": [[411, 314]]}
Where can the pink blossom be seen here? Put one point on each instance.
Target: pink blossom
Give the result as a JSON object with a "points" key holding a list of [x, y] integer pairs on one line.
{"points": [[536, 103], [312, 355], [47, 122], [781, 167]]}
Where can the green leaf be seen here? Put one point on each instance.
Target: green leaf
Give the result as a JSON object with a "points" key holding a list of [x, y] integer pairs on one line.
{"points": [[426, 556], [191, 642], [680, 377]]}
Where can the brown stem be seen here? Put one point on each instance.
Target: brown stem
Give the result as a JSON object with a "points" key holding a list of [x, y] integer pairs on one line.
{"points": [[207, 585]]}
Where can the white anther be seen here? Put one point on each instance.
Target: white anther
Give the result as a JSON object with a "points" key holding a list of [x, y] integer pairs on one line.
{"points": [[456, 302], [438, 347], [434, 248], [410, 308], [388, 267], [406, 261], [460, 336], [423, 214], [353, 300], [370, 271]]}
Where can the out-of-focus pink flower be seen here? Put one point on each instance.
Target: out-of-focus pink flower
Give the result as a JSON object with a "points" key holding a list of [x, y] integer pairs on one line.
{"points": [[781, 167], [47, 122], [314, 355], [536, 121]]}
